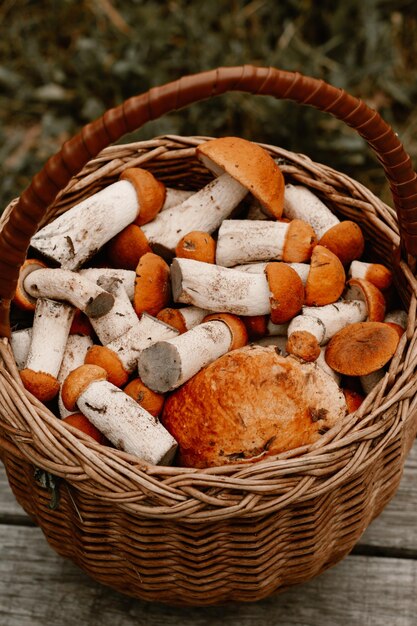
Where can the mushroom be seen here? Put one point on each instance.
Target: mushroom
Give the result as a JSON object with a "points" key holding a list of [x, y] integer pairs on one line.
{"points": [[198, 246], [361, 348], [324, 278], [243, 166], [75, 236], [174, 197], [168, 364], [118, 416], [22, 299], [60, 284], [248, 405], [152, 285], [119, 357], [344, 239], [75, 351], [375, 273], [217, 288], [127, 247], [361, 289], [182, 319], [245, 241], [20, 344], [51, 326], [79, 421]]}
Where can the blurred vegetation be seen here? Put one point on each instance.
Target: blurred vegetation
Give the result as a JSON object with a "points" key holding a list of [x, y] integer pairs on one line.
{"points": [[64, 62]]}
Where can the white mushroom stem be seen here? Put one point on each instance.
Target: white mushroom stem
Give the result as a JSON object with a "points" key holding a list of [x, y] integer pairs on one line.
{"points": [[75, 350], [126, 424], [192, 315], [51, 326], [75, 236], [369, 381], [204, 210], [321, 362], [168, 364], [127, 277], [174, 197], [255, 211], [219, 289], [59, 284], [122, 315], [20, 344], [325, 321], [302, 269], [245, 241], [301, 203], [147, 331]]}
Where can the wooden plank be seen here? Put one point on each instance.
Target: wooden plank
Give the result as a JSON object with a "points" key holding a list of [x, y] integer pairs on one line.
{"points": [[37, 587]]}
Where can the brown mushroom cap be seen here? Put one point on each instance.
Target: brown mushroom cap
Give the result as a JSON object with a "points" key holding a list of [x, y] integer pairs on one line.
{"points": [[78, 420], [77, 381], [287, 292], [149, 400], [361, 289], [150, 191], [326, 278], [108, 360], [345, 240], [22, 299], [256, 325], [127, 247], [42, 385], [361, 348], [379, 275], [152, 285], [174, 318], [299, 242], [353, 399], [235, 325], [81, 325], [303, 345], [251, 166], [248, 404], [197, 245]]}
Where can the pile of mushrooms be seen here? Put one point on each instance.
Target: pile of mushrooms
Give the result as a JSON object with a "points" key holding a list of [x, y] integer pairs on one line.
{"points": [[204, 337]]}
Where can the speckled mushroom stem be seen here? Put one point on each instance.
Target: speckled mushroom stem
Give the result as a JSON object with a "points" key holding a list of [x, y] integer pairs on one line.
{"points": [[182, 319], [76, 348], [302, 269], [218, 288], [168, 364], [325, 321], [245, 241], [20, 344], [50, 331], [127, 277], [204, 211], [301, 203], [60, 284], [118, 416], [174, 197]]}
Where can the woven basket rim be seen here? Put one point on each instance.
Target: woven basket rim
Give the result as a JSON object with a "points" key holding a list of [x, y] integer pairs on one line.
{"points": [[36, 434]]}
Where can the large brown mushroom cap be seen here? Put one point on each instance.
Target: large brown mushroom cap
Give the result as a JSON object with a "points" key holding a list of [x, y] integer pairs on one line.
{"points": [[248, 404], [287, 292], [326, 278], [361, 348], [345, 240], [251, 166]]}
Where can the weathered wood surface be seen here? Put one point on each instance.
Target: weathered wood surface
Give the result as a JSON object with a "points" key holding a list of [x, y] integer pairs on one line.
{"points": [[375, 586]]}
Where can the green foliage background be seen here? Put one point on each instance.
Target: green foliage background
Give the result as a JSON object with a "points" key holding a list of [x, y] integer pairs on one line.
{"points": [[64, 62]]}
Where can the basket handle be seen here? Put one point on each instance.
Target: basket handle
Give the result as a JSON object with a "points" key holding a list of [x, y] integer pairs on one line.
{"points": [[32, 205]]}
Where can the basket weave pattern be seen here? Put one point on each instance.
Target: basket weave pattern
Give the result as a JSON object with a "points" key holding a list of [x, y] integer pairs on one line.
{"points": [[233, 533]]}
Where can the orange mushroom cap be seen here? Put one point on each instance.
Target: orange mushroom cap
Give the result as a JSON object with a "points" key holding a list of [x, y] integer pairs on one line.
{"points": [[287, 292], [326, 278], [353, 399], [299, 242], [251, 166], [361, 289], [235, 325], [173, 317], [152, 285], [197, 245], [105, 358], [345, 240], [150, 192], [256, 325], [78, 381], [42, 385], [149, 400], [127, 247], [303, 345], [78, 420], [361, 348], [21, 298]]}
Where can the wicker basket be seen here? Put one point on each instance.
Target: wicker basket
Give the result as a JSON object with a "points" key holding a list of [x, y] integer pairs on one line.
{"points": [[233, 533]]}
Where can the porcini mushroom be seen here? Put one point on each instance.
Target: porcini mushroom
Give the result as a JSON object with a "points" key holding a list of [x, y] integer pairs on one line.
{"points": [[60, 284], [263, 404], [127, 247], [245, 241], [168, 364], [51, 326], [22, 299], [362, 348], [361, 289], [217, 288], [152, 285], [75, 236], [344, 239], [149, 400], [182, 319], [197, 245], [375, 273], [246, 167], [75, 351], [118, 416]]}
